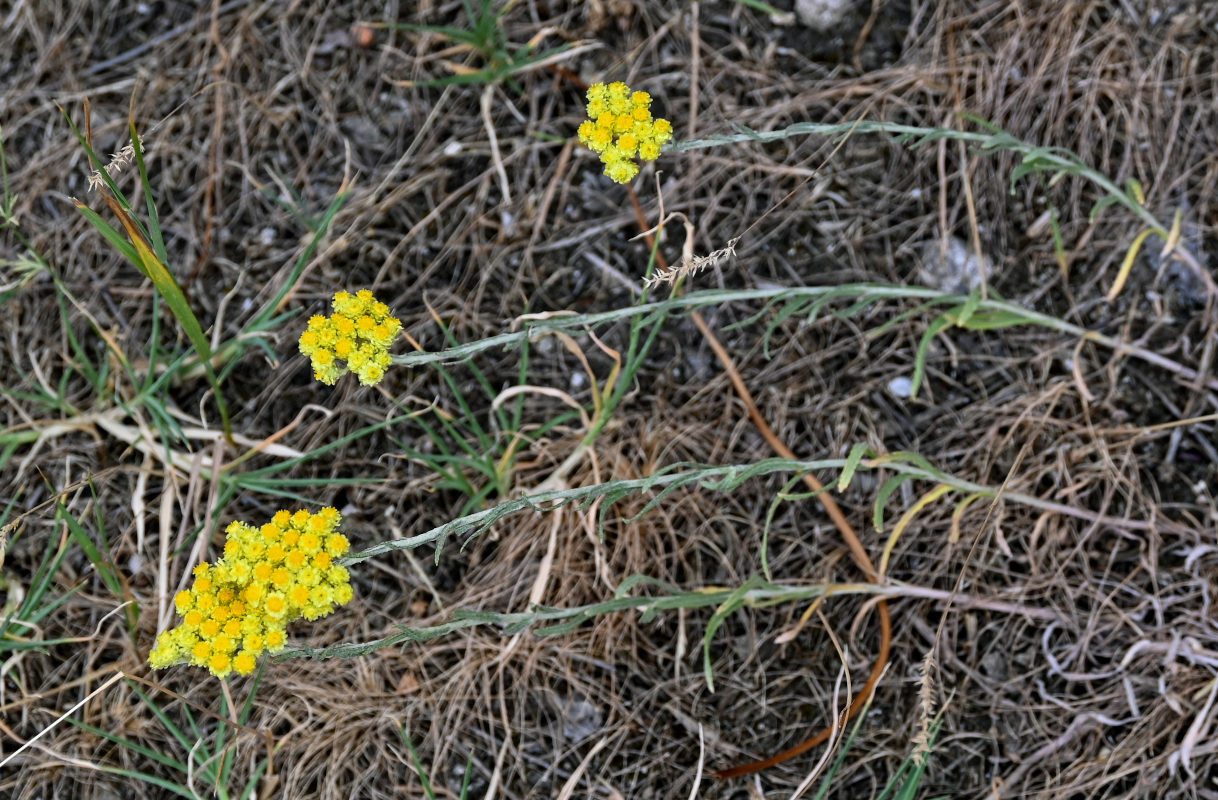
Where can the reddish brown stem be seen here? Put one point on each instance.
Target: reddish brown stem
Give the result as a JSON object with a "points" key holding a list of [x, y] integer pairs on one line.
{"points": [[857, 551]]}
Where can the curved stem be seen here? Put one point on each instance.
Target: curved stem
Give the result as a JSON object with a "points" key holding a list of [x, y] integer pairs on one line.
{"points": [[857, 551]]}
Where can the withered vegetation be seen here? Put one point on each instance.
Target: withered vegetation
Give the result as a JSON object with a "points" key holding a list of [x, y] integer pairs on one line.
{"points": [[255, 114]]}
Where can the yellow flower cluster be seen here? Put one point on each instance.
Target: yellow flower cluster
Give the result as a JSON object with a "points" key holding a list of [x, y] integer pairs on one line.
{"points": [[619, 127], [356, 338], [239, 607]]}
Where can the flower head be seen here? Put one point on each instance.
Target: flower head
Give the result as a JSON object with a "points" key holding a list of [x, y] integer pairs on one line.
{"points": [[619, 127], [355, 338], [239, 607]]}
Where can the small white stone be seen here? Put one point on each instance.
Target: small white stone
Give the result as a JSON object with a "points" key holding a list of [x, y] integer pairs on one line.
{"points": [[822, 15], [452, 148], [952, 266], [901, 387]]}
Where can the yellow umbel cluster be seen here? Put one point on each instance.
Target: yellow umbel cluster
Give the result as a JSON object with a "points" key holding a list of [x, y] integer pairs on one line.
{"points": [[355, 337], [619, 127], [240, 607]]}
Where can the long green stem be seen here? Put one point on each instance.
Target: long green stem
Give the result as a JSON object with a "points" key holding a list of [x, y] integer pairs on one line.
{"points": [[717, 478], [576, 324], [995, 140]]}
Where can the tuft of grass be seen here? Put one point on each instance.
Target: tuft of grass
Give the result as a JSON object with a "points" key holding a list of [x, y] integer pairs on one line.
{"points": [[424, 780], [28, 604], [484, 36], [144, 246], [98, 554], [208, 756], [905, 782]]}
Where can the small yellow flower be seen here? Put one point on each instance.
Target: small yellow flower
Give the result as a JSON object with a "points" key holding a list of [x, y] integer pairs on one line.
{"points": [[309, 576], [276, 605], [336, 544], [343, 594], [622, 171], [219, 664], [239, 607], [619, 127], [253, 593], [596, 108], [345, 304], [370, 374], [241, 572], [601, 138], [244, 663], [299, 595], [343, 324], [253, 549], [361, 329]]}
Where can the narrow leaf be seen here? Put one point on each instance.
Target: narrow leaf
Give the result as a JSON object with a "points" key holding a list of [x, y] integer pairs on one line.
{"points": [[1127, 265], [906, 518]]}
